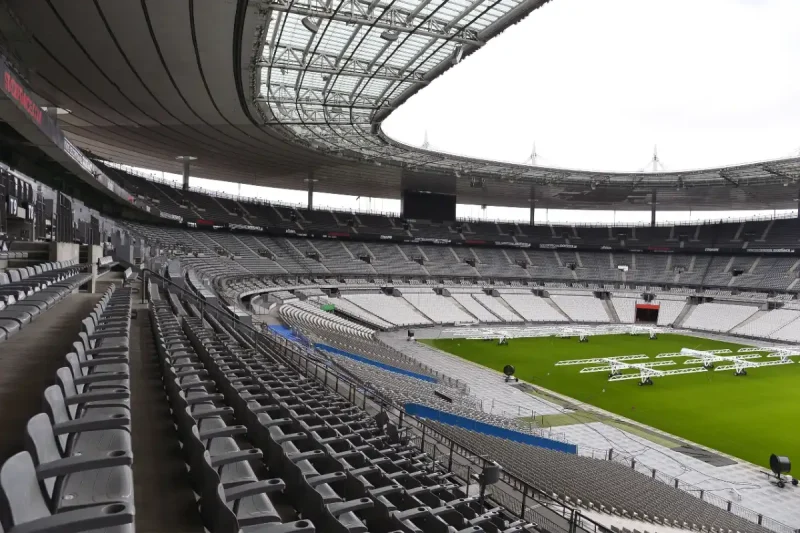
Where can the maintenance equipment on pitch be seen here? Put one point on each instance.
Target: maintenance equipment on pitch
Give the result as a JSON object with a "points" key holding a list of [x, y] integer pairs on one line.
{"points": [[614, 366], [637, 330], [739, 362], [780, 465], [509, 370]]}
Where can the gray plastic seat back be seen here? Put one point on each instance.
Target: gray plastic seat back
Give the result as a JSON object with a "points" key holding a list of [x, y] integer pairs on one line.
{"points": [[56, 409], [4, 279], [79, 349], [21, 498], [74, 365], [41, 443], [37, 269], [14, 275], [65, 381], [88, 326], [84, 339]]}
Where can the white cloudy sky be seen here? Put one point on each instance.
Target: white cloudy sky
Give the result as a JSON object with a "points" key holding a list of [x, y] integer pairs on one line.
{"points": [[597, 84]]}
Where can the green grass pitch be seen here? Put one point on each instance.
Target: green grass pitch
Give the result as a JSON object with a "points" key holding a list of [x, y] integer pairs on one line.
{"points": [[749, 417]]}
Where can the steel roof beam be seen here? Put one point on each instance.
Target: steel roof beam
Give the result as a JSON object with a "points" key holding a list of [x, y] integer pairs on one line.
{"points": [[353, 12], [294, 59], [286, 95]]}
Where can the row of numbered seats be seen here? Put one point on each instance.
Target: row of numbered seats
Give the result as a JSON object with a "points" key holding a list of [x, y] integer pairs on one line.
{"points": [[27, 292], [75, 473]]}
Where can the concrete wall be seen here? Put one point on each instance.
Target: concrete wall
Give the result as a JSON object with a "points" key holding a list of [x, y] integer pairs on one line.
{"points": [[64, 251]]}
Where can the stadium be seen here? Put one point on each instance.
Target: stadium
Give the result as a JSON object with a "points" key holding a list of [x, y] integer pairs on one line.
{"points": [[174, 359]]}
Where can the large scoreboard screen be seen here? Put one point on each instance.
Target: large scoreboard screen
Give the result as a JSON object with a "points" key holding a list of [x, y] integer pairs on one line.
{"points": [[422, 205]]}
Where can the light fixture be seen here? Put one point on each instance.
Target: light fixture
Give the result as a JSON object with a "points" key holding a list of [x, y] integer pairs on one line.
{"points": [[310, 24], [390, 35], [458, 54], [56, 110]]}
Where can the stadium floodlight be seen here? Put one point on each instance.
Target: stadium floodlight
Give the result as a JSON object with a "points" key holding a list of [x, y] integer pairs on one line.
{"points": [[310, 24]]}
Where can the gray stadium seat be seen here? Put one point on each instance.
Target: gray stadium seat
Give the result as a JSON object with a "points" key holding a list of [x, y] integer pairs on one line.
{"points": [[77, 480], [96, 374], [92, 432], [96, 402], [23, 507]]}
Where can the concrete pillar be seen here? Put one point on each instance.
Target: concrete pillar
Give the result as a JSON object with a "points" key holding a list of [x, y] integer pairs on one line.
{"points": [[187, 163], [653, 210], [310, 181], [64, 251], [93, 254], [532, 201]]}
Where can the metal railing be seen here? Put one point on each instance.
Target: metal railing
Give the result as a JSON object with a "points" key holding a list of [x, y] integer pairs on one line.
{"points": [[459, 458]]}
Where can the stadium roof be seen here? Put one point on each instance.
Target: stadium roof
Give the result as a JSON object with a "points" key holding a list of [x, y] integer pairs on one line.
{"points": [[265, 92]]}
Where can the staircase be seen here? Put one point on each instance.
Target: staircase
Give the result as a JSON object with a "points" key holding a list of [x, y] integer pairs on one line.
{"points": [[766, 231], [555, 306], [749, 319], [346, 249], [402, 252], [241, 206], [611, 311], [687, 311]]}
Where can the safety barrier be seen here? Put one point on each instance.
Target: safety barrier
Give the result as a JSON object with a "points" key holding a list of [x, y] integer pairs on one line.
{"points": [[365, 360], [423, 411]]}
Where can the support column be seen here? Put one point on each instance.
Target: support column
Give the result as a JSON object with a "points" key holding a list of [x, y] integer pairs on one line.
{"points": [[93, 255], [187, 163], [310, 181], [653, 210], [532, 200], [185, 174]]}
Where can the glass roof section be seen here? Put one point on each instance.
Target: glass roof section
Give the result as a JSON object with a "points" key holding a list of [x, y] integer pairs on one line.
{"points": [[331, 70]]}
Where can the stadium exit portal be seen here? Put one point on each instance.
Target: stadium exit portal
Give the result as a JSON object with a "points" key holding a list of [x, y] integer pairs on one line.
{"points": [[647, 313]]}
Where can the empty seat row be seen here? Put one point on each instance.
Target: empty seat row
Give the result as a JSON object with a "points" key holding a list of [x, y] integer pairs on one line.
{"points": [[344, 470], [75, 473], [25, 293], [230, 494]]}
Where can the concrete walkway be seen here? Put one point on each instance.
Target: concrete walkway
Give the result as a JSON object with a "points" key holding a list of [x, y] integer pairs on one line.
{"points": [[164, 499], [28, 364]]}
